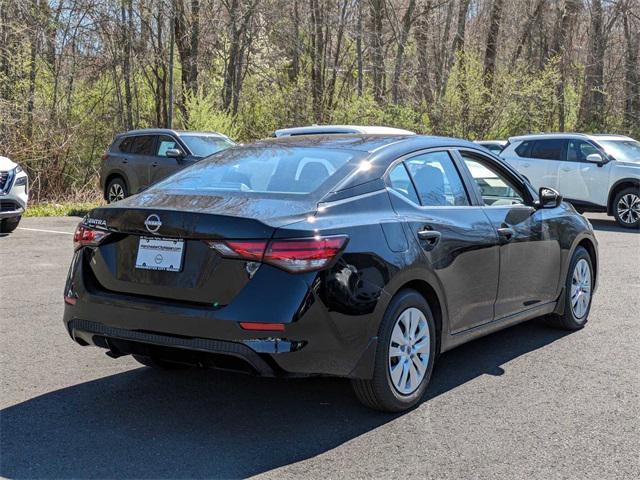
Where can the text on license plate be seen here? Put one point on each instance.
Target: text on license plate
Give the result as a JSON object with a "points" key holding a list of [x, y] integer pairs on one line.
{"points": [[160, 254]]}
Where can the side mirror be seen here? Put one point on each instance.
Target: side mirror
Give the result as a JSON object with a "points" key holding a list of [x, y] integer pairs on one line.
{"points": [[548, 198], [595, 158], [174, 153]]}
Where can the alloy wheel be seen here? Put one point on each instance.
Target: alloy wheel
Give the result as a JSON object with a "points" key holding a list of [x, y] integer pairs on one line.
{"points": [[409, 351], [580, 288], [116, 192], [629, 208]]}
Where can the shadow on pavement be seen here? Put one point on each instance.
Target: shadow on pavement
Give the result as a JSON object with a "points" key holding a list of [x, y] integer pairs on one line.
{"points": [[207, 424], [610, 226]]}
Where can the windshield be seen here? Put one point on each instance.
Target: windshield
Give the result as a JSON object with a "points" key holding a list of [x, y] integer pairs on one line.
{"points": [[622, 150], [273, 169], [205, 145]]}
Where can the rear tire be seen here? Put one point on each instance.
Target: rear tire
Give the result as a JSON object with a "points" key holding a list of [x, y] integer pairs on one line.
{"points": [[626, 207], [412, 348], [576, 305], [8, 225], [116, 190], [157, 363]]}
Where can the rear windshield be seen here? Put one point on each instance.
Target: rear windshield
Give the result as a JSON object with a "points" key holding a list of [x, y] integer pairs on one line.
{"points": [[205, 145], [276, 169]]}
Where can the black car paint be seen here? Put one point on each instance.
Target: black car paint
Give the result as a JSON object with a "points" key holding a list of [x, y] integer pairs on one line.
{"points": [[475, 282]]}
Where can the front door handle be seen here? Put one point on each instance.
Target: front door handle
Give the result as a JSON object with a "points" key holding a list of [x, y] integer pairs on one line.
{"points": [[526, 165], [506, 234], [430, 238], [125, 161], [565, 169]]}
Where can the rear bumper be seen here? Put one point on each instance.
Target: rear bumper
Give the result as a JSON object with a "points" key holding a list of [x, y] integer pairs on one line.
{"points": [[315, 341]]}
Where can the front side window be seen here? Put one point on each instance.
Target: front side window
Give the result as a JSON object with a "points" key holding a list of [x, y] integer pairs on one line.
{"points": [[495, 188], [400, 181], [578, 150], [550, 149], [278, 170], [205, 145], [437, 180], [165, 143], [143, 145]]}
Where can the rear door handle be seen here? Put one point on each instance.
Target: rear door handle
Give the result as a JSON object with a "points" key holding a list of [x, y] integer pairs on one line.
{"points": [[565, 169], [125, 161], [526, 164], [506, 234], [430, 238]]}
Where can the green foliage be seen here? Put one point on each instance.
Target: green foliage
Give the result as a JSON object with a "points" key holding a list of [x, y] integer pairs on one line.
{"points": [[79, 209], [204, 114]]}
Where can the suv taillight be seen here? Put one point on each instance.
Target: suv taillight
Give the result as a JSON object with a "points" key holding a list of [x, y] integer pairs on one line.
{"points": [[87, 237], [294, 255]]}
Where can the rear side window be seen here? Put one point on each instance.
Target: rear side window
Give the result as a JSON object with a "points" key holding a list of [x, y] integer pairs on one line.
{"points": [[437, 180], [142, 145], [125, 145], [278, 170], [400, 181], [550, 149], [524, 149]]}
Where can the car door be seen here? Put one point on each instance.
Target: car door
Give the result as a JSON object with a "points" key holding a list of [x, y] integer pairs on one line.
{"points": [[529, 243], [585, 182], [542, 161], [141, 156], [163, 166], [457, 241]]}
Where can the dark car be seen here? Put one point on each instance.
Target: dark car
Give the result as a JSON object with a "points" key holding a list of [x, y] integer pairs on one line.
{"points": [[139, 158], [356, 256]]}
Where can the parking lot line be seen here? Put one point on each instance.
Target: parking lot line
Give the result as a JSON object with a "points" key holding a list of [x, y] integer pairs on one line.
{"points": [[45, 231]]}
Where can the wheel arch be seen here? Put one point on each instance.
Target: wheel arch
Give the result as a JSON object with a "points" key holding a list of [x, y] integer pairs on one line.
{"points": [[589, 244], [113, 175], [430, 294], [617, 187]]}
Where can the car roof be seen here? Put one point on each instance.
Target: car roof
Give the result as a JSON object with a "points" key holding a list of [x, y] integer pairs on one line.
{"points": [[339, 129], [594, 137], [363, 143], [491, 142], [169, 131]]}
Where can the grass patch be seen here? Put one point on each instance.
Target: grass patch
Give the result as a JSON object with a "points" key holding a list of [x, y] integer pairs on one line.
{"points": [[74, 209]]}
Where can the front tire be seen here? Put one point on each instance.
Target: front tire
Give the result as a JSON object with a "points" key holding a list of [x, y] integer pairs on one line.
{"points": [[626, 207], [577, 293], [8, 225], [116, 190], [404, 357]]}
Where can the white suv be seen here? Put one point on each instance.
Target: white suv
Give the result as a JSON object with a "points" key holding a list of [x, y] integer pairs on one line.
{"points": [[596, 173], [13, 194]]}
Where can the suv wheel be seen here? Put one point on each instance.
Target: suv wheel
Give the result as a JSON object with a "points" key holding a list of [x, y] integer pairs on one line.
{"points": [[8, 225], [404, 357], [626, 207], [578, 292], [116, 190]]}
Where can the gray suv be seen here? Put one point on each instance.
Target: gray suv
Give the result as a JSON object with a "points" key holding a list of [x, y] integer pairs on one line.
{"points": [[138, 158]]}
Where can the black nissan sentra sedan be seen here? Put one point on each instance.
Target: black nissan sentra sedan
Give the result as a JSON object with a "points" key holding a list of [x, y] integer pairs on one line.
{"points": [[350, 255]]}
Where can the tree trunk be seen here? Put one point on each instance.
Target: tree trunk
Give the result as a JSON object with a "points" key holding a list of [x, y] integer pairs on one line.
{"points": [[126, 8], [423, 74], [591, 115], [492, 44], [359, 48], [377, 8], [317, 57], [632, 82], [407, 21]]}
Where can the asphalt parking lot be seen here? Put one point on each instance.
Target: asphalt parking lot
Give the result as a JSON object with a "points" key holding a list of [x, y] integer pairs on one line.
{"points": [[527, 402]]}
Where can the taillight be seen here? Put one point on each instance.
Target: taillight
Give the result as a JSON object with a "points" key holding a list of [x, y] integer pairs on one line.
{"points": [[87, 237], [105, 155], [293, 255]]}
